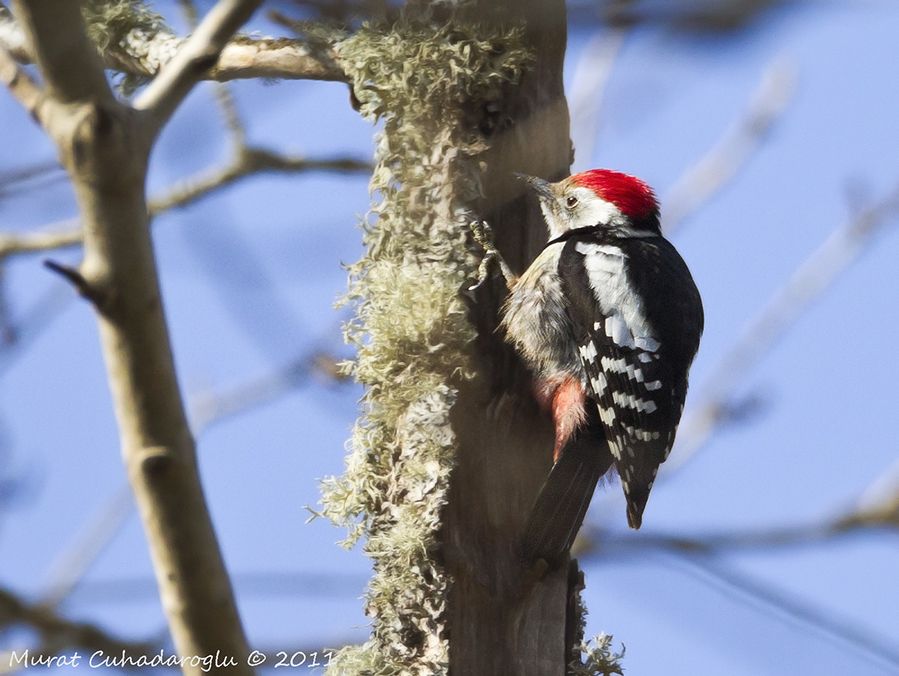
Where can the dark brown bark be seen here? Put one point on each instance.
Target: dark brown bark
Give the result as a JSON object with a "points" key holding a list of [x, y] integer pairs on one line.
{"points": [[505, 620]]}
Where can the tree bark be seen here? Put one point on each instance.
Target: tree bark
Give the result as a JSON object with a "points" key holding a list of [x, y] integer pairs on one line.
{"points": [[505, 620], [104, 145]]}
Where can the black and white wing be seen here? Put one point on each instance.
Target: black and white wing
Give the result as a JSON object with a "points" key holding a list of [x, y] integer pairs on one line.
{"points": [[636, 377]]}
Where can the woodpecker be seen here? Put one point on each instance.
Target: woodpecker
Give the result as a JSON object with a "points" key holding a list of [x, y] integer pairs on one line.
{"points": [[608, 319]]}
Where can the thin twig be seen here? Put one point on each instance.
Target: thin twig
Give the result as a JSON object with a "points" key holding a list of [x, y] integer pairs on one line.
{"points": [[20, 85], [12, 180], [198, 54], [77, 280], [212, 408], [791, 607], [808, 282], [591, 77], [723, 161], [222, 93], [64, 633], [71, 565], [59, 236], [248, 162], [882, 517]]}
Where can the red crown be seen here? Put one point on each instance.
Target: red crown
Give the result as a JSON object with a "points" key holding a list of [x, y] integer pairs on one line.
{"points": [[634, 198]]}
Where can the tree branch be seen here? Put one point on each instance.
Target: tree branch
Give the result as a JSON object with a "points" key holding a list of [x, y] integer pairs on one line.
{"points": [[104, 147], [66, 58], [210, 408], [247, 162], [62, 633], [881, 517], [807, 283], [722, 162], [61, 236], [199, 53], [16, 180], [591, 76], [144, 55], [20, 85]]}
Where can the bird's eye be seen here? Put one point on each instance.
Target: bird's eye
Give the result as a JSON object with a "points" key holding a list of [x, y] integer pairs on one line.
{"points": [[571, 202]]}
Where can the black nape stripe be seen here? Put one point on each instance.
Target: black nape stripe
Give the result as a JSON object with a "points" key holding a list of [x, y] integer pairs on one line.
{"points": [[568, 234]]}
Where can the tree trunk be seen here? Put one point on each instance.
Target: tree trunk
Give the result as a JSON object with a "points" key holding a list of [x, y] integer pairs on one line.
{"points": [[505, 620]]}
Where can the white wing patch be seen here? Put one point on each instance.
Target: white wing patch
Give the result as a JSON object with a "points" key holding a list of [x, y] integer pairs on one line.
{"points": [[626, 323]]}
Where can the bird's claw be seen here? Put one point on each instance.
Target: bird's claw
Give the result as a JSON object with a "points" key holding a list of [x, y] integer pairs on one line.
{"points": [[483, 235]]}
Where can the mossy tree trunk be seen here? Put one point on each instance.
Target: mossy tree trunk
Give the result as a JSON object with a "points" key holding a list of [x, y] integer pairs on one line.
{"points": [[451, 449]]}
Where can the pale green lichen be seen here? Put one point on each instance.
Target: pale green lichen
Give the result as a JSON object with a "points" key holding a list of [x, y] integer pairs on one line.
{"points": [[113, 24], [426, 84], [109, 21], [598, 658]]}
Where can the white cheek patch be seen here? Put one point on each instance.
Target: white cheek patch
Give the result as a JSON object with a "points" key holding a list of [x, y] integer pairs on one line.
{"points": [[594, 210]]}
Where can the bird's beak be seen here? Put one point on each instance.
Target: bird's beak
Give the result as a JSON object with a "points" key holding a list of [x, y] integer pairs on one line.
{"points": [[538, 185]]}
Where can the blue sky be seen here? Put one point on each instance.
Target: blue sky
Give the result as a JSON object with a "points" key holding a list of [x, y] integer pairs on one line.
{"points": [[250, 276]]}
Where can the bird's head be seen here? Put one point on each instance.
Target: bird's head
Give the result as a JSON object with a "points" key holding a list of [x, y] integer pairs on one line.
{"points": [[599, 197]]}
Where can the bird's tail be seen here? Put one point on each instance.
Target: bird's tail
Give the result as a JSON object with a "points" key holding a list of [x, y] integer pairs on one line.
{"points": [[561, 505]]}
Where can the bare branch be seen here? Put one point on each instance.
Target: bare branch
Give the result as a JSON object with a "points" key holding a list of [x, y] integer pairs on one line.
{"points": [[198, 54], [702, 551], [20, 85], [63, 633], [881, 517], [67, 60], [68, 569], [807, 283], [105, 148], [247, 162], [61, 236], [144, 55], [724, 160], [752, 589], [242, 58], [211, 408], [591, 76], [12, 180]]}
